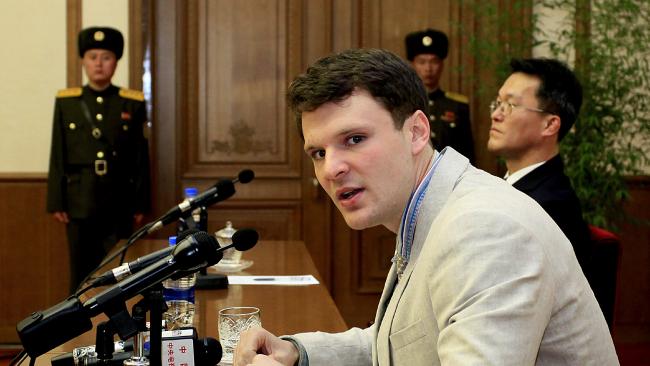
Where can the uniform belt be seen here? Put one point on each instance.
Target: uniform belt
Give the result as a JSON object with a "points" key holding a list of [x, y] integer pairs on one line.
{"points": [[99, 167]]}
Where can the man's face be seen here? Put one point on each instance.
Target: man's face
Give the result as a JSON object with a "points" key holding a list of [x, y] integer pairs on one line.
{"points": [[429, 68], [511, 136], [99, 65], [364, 164]]}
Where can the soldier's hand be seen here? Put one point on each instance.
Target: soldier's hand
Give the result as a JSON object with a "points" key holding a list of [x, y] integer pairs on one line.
{"points": [[61, 217]]}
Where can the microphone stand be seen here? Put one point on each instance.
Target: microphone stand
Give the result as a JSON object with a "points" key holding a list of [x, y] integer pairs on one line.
{"points": [[203, 279], [157, 307], [139, 314], [154, 302]]}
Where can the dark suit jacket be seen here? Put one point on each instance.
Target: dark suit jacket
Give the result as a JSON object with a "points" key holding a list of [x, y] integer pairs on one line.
{"points": [[551, 188]]}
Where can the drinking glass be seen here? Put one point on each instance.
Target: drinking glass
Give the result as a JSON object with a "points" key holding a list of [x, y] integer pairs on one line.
{"points": [[233, 321]]}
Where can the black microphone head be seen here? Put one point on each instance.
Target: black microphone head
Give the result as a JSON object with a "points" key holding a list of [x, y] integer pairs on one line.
{"points": [[245, 176], [244, 239], [185, 233], [207, 352], [198, 249]]}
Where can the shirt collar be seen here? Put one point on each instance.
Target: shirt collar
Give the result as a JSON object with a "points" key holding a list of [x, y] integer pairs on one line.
{"points": [[512, 178]]}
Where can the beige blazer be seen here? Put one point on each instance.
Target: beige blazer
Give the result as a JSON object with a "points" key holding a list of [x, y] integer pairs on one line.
{"points": [[491, 281]]}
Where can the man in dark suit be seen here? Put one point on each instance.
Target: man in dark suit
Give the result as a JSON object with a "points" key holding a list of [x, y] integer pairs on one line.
{"points": [[448, 112], [535, 108], [98, 182]]}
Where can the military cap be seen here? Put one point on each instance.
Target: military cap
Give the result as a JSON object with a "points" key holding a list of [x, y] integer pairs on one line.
{"points": [[101, 37], [426, 41]]}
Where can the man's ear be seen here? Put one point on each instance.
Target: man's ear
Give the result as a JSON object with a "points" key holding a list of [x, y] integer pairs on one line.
{"points": [[552, 125], [420, 129]]}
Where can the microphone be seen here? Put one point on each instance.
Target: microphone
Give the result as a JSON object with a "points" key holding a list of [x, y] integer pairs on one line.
{"points": [[242, 240], [117, 274], [44, 330], [207, 352], [222, 190], [191, 254]]}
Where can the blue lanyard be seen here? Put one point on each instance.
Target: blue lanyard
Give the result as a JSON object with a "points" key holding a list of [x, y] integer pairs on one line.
{"points": [[410, 215]]}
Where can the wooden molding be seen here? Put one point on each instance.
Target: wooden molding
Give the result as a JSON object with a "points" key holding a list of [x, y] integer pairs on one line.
{"points": [[73, 26], [139, 40]]}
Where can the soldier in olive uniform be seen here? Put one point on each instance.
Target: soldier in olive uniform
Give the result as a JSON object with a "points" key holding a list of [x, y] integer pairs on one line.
{"points": [[98, 183], [448, 112]]}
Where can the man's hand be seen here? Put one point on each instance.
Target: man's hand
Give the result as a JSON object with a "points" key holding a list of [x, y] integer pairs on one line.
{"points": [[273, 350], [61, 217], [264, 360]]}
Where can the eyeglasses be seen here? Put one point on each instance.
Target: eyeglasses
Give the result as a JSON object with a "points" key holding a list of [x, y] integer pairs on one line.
{"points": [[506, 107]]}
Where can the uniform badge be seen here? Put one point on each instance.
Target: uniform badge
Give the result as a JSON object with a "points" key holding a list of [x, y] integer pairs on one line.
{"points": [[449, 116], [427, 41], [126, 116], [72, 126], [98, 36]]}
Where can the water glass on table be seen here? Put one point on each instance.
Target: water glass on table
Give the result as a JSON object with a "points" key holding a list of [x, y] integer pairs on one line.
{"points": [[233, 321]]}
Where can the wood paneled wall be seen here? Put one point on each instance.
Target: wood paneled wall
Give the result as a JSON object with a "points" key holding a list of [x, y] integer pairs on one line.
{"points": [[33, 252]]}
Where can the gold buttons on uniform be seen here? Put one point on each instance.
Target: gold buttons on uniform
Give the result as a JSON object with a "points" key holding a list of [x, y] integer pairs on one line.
{"points": [[430, 102], [432, 118], [99, 116], [100, 100], [100, 154], [72, 125], [433, 134], [97, 133], [125, 127]]}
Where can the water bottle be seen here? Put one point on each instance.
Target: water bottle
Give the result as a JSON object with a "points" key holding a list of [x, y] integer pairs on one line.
{"points": [[179, 296]]}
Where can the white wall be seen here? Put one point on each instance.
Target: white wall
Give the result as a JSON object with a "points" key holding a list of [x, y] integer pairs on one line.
{"points": [[32, 34], [33, 68], [551, 22]]}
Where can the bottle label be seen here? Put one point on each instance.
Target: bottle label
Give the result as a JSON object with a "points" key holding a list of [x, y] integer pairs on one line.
{"points": [[186, 294]]}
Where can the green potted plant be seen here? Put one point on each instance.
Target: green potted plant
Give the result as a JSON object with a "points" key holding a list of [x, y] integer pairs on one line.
{"points": [[611, 140]]}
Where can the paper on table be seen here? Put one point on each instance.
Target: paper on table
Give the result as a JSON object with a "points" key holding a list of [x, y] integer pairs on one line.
{"points": [[273, 280]]}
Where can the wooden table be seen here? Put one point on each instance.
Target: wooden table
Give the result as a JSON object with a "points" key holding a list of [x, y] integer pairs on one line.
{"points": [[284, 309]]}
